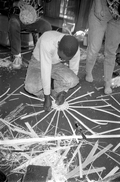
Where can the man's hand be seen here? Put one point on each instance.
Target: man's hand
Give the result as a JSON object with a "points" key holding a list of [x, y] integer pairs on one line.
{"points": [[60, 99], [47, 103], [99, 10]]}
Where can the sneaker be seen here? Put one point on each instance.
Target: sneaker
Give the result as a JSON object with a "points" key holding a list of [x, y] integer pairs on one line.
{"points": [[17, 63]]}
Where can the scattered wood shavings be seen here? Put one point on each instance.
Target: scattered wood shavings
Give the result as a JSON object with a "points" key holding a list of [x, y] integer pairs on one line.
{"points": [[5, 62], [22, 146], [115, 82]]}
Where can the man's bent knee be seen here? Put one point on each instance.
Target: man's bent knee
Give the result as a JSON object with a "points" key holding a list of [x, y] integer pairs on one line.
{"points": [[74, 81], [29, 87]]}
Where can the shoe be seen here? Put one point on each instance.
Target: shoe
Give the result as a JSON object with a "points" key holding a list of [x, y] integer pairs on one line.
{"points": [[17, 62], [89, 78], [108, 89]]}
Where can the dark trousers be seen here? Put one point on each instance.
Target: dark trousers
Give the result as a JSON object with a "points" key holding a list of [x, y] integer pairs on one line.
{"points": [[16, 26]]}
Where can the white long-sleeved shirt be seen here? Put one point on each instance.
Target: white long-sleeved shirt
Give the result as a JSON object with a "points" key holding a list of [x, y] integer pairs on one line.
{"points": [[46, 51]]}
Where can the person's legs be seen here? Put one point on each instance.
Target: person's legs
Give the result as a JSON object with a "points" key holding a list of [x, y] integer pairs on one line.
{"points": [[33, 83], [14, 29], [64, 78], [111, 44], [95, 38]]}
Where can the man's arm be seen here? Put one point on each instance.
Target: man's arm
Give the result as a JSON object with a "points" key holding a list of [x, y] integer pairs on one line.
{"points": [[46, 67], [74, 62]]}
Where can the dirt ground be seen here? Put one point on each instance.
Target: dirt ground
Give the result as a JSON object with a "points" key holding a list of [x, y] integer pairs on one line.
{"points": [[97, 115]]}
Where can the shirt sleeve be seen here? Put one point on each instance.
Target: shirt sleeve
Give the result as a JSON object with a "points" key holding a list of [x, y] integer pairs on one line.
{"points": [[74, 62], [46, 67]]}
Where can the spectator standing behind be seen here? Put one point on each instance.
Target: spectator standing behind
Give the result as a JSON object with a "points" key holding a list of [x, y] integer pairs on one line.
{"points": [[112, 42], [10, 8], [101, 23], [53, 50]]}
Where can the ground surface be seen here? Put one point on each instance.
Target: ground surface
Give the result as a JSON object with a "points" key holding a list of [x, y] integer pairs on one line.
{"points": [[98, 116]]}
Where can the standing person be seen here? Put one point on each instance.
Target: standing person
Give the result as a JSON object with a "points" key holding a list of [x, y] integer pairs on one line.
{"points": [[15, 26], [112, 42], [53, 50], [99, 18]]}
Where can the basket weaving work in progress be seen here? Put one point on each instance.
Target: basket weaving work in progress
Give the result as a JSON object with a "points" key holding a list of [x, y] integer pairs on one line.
{"points": [[28, 13]]}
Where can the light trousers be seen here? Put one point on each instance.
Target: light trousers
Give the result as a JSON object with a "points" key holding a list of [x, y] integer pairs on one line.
{"points": [[111, 45], [63, 77], [97, 31]]}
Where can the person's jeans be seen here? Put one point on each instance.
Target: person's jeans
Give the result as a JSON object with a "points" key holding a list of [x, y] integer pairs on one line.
{"points": [[112, 42], [96, 34], [15, 27], [63, 77]]}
